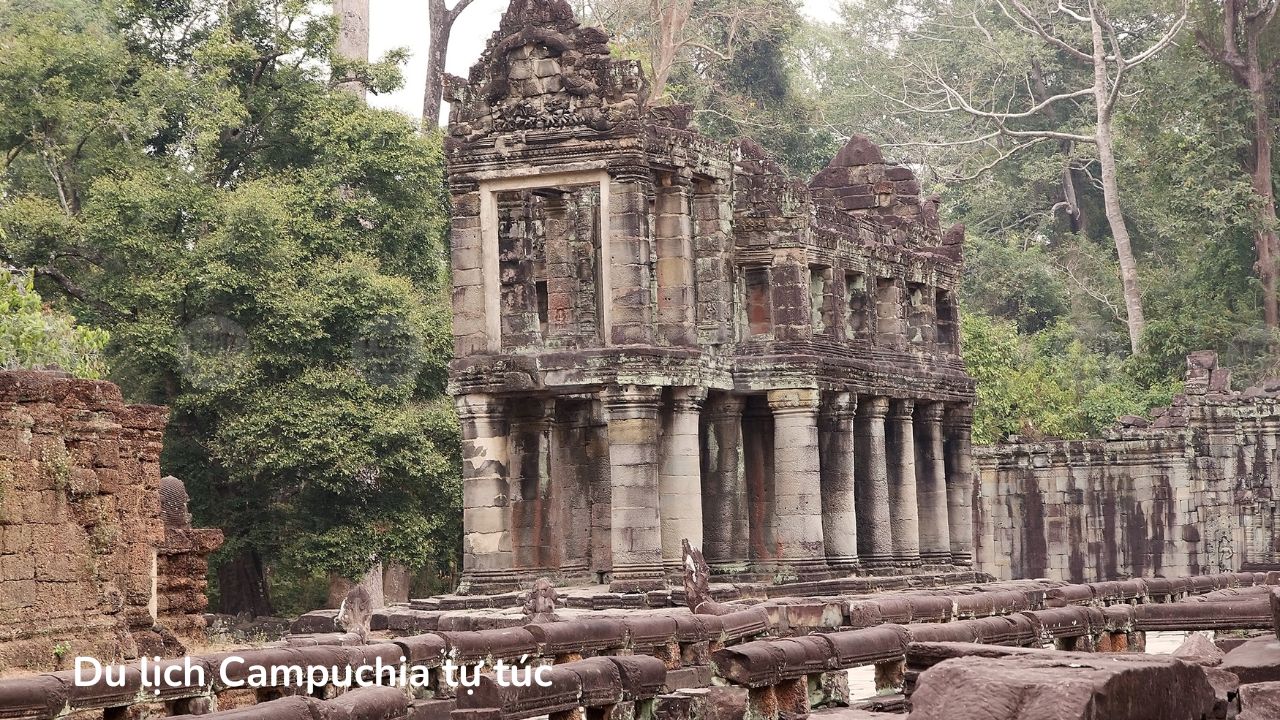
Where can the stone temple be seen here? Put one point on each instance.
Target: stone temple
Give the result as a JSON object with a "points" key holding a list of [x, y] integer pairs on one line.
{"points": [[663, 337]]}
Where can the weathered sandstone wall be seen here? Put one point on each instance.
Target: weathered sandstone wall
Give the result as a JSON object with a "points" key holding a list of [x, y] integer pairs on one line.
{"points": [[1189, 492], [82, 540]]}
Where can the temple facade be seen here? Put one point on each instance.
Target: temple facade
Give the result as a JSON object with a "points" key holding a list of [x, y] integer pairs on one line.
{"points": [[662, 337]]}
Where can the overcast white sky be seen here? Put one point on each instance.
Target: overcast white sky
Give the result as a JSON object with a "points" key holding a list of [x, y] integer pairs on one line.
{"points": [[403, 23]]}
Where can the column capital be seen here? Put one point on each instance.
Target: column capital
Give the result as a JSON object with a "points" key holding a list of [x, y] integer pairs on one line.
{"points": [[958, 415], [901, 409], [873, 406], [798, 400], [726, 407], [632, 396], [930, 412], [688, 399], [479, 406], [839, 405]]}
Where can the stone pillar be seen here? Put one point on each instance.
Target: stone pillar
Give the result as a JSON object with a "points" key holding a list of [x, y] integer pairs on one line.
{"points": [[475, 298], [535, 535], [571, 475], [931, 485], [630, 268], [757, 475], [839, 516], [673, 241], [679, 477], [797, 480], [725, 533], [635, 530], [958, 430], [486, 516], [875, 529], [713, 243], [904, 512]]}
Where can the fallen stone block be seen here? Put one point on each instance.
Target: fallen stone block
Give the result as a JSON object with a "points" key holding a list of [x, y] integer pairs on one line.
{"points": [[1254, 661], [316, 621], [1198, 648], [1063, 686], [1259, 701]]}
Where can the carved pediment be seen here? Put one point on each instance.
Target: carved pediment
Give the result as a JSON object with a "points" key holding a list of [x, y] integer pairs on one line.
{"points": [[542, 71]]}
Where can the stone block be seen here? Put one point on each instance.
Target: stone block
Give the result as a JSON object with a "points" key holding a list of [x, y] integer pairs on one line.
{"points": [[1067, 686]]}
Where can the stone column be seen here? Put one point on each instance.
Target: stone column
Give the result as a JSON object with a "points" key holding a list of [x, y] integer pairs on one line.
{"points": [[839, 516], [875, 529], [725, 533], [630, 304], [635, 529], [904, 511], [673, 241], [486, 516], [536, 541], [713, 244], [797, 479], [958, 426], [571, 475], [931, 485], [679, 477]]}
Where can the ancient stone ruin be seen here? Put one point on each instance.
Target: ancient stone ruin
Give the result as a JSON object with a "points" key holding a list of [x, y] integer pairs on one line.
{"points": [[1188, 492], [662, 337], [92, 560]]}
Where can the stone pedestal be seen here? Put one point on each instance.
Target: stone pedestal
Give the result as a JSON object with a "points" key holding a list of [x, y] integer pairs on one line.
{"points": [[875, 529], [726, 536], [636, 531], [797, 480], [931, 485], [679, 477], [486, 542], [904, 511], [839, 503], [958, 429]]}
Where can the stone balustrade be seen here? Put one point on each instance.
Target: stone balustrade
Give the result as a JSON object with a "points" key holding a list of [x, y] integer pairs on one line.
{"points": [[771, 650]]}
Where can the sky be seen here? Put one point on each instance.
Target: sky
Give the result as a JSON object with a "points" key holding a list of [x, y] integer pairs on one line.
{"points": [[403, 23]]}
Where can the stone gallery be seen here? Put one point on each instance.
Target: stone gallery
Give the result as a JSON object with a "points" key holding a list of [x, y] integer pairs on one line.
{"points": [[661, 337]]}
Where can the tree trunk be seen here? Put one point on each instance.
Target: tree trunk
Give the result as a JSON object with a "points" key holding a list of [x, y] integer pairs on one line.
{"points": [[353, 37], [242, 586], [1266, 242], [440, 22], [1134, 316]]}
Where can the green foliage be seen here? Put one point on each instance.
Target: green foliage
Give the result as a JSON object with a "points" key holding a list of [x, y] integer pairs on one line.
{"points": [[33, 336], [1047, 384], [267, 253]]}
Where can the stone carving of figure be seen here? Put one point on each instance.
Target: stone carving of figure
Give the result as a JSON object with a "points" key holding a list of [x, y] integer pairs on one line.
{"points": [[355, 612], [697, 583], [540, 605]]}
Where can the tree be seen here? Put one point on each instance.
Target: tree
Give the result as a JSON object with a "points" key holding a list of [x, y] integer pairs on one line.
{"points": [[440, 20], [33, 336], [1112, 49], [267, 254], [353, 36], [1246, 36], [731, 61]]}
